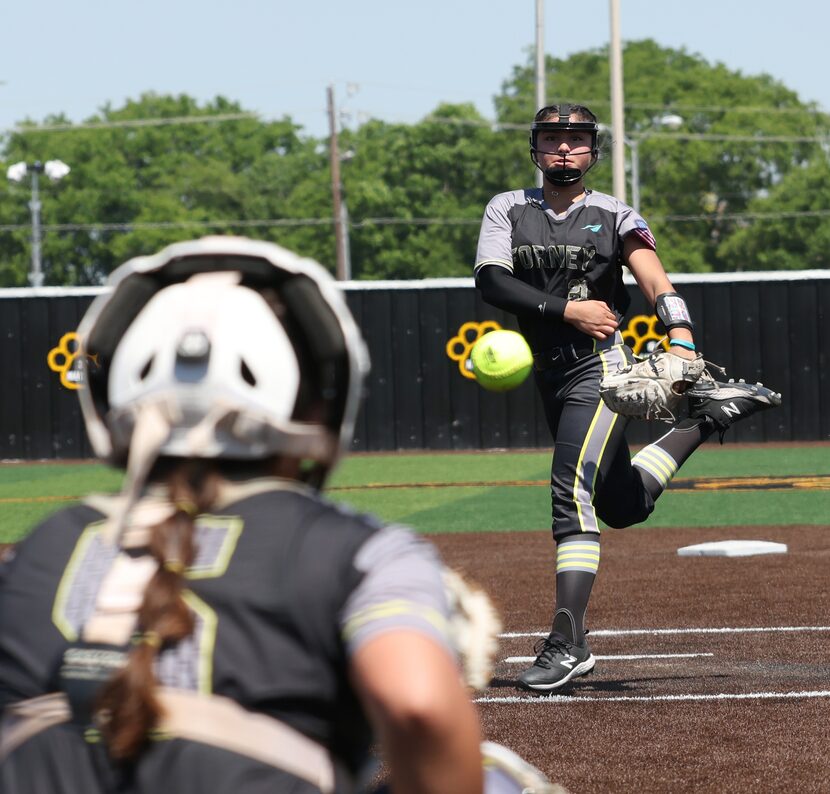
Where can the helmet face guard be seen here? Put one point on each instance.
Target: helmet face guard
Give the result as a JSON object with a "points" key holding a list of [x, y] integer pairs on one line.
{"points": [[230, 348], [563, 176]]}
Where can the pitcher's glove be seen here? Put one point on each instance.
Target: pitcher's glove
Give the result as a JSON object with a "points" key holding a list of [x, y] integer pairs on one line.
{"points": [[652, 387]]}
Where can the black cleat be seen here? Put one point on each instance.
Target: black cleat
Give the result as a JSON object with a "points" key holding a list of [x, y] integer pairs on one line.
{"points": [[557, 662], [727, 403]]}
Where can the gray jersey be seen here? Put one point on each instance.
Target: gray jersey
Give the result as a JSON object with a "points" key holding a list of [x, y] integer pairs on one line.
{"points": [[580, 248]]}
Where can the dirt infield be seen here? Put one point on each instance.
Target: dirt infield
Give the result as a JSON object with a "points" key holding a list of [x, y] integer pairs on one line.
{"points": [[732, 690]]}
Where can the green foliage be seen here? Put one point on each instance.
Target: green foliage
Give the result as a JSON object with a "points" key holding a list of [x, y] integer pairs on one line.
{"points": [[432, 170], [692, 187], [784, 234], [415, 193], [134, 189]]}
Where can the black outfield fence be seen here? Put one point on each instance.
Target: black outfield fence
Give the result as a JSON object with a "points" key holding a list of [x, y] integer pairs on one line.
{"points": [[772, 327]]}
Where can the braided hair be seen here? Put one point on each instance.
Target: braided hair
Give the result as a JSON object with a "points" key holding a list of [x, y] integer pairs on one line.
{"points": [[127, 705]]}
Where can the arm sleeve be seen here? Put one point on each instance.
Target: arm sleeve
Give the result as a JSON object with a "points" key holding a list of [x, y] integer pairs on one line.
{"points": [[402, 588], [501, 289]]}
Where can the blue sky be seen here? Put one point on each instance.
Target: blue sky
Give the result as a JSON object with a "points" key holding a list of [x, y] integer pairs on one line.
{"points": [[390, 60]]}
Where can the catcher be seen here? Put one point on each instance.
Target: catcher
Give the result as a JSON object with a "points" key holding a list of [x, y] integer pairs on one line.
{"points": [[220, 626], [553, 256]]}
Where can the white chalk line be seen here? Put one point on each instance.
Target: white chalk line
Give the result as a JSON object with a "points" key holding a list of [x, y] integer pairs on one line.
{"points": [[616, 658], [655, 632], [547, 699]]}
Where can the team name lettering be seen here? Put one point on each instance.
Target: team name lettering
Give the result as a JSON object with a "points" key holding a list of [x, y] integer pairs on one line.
{"points": [[564, 257]]}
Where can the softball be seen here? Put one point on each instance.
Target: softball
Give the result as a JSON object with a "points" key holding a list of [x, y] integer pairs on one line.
{"points": [[501, 360]]}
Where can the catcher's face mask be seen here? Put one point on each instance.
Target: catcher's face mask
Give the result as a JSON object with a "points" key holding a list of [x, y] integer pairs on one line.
{"points": [[580, 135]]}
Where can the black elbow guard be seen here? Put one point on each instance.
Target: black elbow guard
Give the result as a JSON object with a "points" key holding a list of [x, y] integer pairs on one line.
{"points": [[672, 311]]}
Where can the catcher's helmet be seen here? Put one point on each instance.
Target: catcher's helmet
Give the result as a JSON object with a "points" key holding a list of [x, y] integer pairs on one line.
{"points": [[558, 118], [236, 348]]}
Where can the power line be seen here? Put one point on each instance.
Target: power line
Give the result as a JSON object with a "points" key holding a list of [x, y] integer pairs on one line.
{"points": [[367, 222], [740, 216], [498, 126], [765, 109], [707, 136], [417, 222], [809, 107], [493, 124], [126, 123], [128, 226]]}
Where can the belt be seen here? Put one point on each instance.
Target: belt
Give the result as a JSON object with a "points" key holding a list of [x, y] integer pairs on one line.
{"points": [[559, 356]]}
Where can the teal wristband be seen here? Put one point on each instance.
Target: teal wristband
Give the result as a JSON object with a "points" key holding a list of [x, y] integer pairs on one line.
{"points": [[682, 343]]}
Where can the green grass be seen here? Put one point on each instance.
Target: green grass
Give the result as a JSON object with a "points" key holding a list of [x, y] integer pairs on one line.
{"points": [[55, 479], [489, 506], [528, 508], [710, 461]]}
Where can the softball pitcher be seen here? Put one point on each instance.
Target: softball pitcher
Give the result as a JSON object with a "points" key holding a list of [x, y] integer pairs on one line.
{"points": [[553, 256]]}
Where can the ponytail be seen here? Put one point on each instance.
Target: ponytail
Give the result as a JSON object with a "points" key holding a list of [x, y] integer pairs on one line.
{"points": [[127, 706]]}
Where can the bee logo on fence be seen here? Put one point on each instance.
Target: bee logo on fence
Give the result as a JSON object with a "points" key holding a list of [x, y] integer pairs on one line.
{"points": [[65, 358], [459, 347], [642, 335]]}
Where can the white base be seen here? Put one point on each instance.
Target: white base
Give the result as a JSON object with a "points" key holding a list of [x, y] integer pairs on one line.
{"points": [[732, 548]]}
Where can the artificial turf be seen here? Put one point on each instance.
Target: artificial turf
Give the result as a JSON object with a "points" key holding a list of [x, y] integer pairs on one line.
{"points": [[478, 491]]}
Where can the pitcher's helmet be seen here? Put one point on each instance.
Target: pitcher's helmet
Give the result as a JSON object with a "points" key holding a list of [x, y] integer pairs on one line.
{"points": [[237, 348]]}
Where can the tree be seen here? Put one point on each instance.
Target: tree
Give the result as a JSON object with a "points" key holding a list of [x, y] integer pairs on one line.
{"points": [[401, 176], [690, 173], [164, 168], [133, 189], [788, 229]]}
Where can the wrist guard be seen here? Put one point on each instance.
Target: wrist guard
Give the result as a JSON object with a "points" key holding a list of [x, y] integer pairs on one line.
{"points": [[672, 311]]}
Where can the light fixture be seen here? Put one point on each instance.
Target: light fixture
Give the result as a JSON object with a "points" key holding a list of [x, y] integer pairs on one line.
{"points": [[17, 172], [55, 169], [672, 121]]}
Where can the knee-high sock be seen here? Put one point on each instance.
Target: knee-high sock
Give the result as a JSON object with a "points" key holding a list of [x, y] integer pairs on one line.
{"points": [[577, 562], [659, 462]]}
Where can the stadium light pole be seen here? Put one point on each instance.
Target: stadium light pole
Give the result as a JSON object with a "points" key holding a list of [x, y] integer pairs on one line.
{"points": [[617, 117], [337, 193], [540, 70], [344, 217], [55, 170]]}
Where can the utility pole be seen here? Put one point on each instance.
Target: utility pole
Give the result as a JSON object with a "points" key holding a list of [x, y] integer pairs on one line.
{"points": [[540, 69], [617, 117], [337, 192]]}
